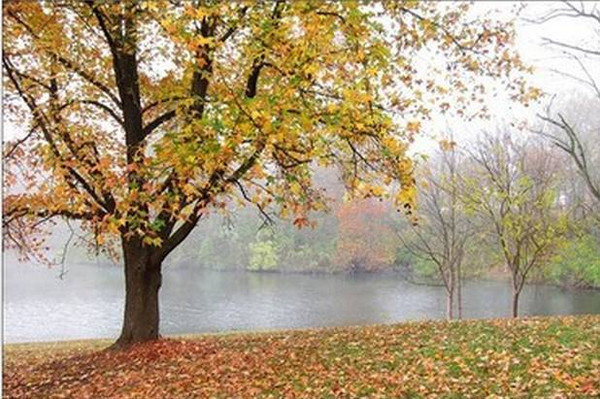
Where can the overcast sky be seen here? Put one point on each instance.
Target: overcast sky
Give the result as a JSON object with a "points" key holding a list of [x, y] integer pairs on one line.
{"points": [[545, 59]]}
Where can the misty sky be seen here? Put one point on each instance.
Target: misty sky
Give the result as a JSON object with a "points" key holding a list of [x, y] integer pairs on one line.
{"points": [[545, 59]]}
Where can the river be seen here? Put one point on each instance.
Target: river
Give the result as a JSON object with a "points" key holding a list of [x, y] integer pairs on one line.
{"points": [[88, 301]]}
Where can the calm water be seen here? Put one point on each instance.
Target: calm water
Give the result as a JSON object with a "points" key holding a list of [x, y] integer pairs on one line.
{"points": [[88, 302]]}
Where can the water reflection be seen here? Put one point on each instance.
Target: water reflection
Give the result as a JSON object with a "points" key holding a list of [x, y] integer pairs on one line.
{"points": [[88, 303]]}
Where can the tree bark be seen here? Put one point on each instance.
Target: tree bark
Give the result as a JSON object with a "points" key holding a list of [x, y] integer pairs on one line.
{"points": [[142, 283], [450, 304], [450, 289], [515, 302], [459, 291]]}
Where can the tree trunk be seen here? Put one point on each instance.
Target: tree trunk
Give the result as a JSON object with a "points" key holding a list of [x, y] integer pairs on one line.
{"points": [[459, 290], [515, 302], [450, 304], [450, 288], [142, 282]]}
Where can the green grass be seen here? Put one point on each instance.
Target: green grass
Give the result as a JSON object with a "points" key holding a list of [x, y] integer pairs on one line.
{"points": [[529, 357]]}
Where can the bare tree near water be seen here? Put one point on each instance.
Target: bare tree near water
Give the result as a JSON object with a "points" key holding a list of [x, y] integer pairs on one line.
{"points": [[442, 232]]}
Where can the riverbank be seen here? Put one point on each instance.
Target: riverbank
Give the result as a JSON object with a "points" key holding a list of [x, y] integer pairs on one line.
{"points": [[541, 356]]}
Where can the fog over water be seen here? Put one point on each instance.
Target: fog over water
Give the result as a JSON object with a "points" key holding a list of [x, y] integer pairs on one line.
{"points": [[88, 302]]}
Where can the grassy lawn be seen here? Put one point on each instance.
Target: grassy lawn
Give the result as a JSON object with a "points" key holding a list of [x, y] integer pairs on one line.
{"points": [[530, 357]]}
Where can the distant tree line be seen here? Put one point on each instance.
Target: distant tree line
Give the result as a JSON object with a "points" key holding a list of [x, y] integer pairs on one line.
{"points": [[511, 205]]}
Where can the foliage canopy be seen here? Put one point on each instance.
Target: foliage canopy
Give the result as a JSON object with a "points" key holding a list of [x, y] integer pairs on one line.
{"points": [[139, 118]]}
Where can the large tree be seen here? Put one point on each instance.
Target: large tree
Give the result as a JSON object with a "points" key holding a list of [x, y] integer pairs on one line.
{"points": [[139, 118]]}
